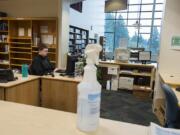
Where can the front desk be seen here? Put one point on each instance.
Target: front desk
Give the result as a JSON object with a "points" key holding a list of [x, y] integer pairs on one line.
{"points": [[51, 92], [23, 90], [18, 119], [59, 92]]}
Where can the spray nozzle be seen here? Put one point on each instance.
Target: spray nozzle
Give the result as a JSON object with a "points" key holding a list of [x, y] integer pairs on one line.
{"points": [[92, 53]]}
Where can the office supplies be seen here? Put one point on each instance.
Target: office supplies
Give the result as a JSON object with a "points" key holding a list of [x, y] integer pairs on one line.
{"points": [[21, 32], [43, 29], [126, 83], [6, 75], [158, 130], [134, 53], [47, 39], [29, 32]]}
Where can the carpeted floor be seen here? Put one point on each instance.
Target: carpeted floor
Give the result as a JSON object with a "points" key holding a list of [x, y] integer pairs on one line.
{"points": [[123, 106]]}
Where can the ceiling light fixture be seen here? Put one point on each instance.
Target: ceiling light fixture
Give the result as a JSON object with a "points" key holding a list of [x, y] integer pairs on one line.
{"points": [[115, 5]]}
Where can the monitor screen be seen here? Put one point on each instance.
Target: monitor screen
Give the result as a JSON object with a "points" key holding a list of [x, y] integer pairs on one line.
{"points": [[71, 60], [145, 56]]}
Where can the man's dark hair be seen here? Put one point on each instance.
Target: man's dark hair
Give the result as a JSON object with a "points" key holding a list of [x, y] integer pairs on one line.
{"points": [[41, 47]]}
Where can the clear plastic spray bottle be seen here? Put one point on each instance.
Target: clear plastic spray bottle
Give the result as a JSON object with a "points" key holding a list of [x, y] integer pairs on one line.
{"points": [[89, 92]]}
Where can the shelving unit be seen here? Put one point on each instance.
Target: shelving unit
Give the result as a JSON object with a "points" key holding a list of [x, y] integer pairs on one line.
{"points": [[78, 39], [4, 45], [21, 46], [142, 74], [44, 29]]}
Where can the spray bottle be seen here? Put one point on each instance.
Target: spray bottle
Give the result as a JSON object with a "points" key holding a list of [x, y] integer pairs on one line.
{"points": [[89, 92]]}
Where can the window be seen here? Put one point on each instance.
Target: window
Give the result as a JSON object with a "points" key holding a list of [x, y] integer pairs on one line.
{"points": [[140, 24]]}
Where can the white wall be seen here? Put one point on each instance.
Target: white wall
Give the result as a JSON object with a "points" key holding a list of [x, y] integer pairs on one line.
{"points": [[63, 15], [169, 60], [30, 8], [91, 17]]}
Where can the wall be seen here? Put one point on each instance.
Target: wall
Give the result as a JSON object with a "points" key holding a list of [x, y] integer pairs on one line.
{"points": [[30, 8], [63, 15], [168, 60], [92, 17]]}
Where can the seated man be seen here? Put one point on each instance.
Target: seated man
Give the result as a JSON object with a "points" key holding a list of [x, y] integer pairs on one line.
{"points": [[41, 64]]}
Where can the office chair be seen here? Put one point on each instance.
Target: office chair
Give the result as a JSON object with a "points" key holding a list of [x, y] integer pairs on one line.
{"points": [[29, 69], [172, 109]]}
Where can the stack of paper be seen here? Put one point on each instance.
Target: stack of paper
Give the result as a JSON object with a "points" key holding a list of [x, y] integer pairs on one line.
{"points": [[157, 130]]}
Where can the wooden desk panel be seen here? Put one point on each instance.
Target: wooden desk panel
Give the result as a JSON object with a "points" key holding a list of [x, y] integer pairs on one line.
{"points": [[25, 93], [19, 81], [18, 119], [59, 94], [1, 93]]}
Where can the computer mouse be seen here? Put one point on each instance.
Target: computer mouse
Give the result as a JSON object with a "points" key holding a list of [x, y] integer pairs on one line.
{"points": [[178, 89]]}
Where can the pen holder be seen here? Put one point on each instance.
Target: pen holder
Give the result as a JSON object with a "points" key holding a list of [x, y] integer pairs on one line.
{"points": [[24, 70]]}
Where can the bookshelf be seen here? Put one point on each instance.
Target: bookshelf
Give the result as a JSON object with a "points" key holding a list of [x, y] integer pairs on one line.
{"points": [[78, 39], [20, 38], [4, 45], [43, 30]]}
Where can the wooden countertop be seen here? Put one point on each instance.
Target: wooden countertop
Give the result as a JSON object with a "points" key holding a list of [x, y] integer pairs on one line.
{"points": [[113, 62], [20, 80], [170, 79], [63, 78], [18, 119]]}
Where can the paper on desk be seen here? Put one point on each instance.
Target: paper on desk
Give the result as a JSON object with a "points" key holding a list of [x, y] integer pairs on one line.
{"points": [[157, 130]]}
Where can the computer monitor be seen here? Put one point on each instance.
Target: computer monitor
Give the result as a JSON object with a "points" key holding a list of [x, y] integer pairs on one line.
{"points": [[71, 60], [134, 53], [144, 56]]}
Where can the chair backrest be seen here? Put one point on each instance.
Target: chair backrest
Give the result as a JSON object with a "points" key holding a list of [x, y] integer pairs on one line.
{"points": [[29, 69], [171, 104]]}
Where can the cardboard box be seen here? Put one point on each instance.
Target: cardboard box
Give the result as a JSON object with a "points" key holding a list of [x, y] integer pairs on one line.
{"points": [[126, 83]]}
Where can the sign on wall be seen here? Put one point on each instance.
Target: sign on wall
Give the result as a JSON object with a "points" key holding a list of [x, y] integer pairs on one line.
{"points": [[175, 43]]}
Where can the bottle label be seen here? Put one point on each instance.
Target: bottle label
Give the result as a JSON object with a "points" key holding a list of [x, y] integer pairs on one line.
{"points": [[89, 111], [94, 103]]}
